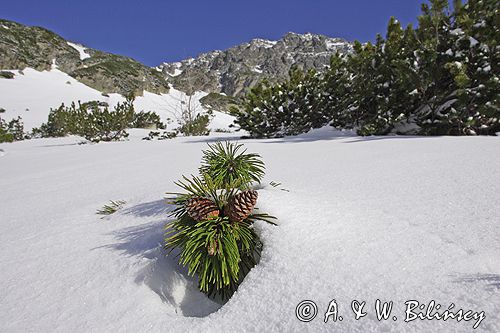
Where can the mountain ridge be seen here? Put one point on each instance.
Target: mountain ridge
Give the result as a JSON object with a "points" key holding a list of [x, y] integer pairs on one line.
{"points": [[24, 46], [229, 72]]}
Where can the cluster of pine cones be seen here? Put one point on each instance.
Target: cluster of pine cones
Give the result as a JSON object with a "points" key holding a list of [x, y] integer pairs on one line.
{"points": [[238, 208]]}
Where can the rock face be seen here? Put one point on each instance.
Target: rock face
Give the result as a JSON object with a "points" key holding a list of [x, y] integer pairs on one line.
{"points": [[108, 73], [22, 46], [236, 69]]}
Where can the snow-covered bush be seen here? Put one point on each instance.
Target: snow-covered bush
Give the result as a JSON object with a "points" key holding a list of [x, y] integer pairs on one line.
{"points": [[95, 122], [213, 225], [286, 108], [91, 120], [441, 78]]}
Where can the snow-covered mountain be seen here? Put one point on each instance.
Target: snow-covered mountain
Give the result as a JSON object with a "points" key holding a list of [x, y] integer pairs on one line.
{"points": [[39, 70], [236, 69], [231, 71]]}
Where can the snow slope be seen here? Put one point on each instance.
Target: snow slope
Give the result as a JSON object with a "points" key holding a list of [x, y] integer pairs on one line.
{"points": [[31, 95], [390, 218]]}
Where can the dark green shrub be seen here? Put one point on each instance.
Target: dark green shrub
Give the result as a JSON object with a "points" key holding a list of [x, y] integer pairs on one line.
{"points": [[287, 108], [5, 136], [440, 78], [196, 127], [156, 135], [222, 130], [95, 122], [147, 120], [91, 120], [12, 131]]}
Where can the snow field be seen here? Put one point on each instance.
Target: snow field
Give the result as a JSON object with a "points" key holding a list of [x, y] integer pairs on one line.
{"points": [[390, 218]]}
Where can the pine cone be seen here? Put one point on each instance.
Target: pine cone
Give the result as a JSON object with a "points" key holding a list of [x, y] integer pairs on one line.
{"points": [[201, 208], [241, 205]]}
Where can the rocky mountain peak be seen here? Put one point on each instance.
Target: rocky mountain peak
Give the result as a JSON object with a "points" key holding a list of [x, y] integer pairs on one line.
{"points": [[235, 70]]}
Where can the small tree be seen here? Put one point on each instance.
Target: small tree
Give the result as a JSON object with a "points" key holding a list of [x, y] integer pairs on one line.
{"points": [[191, 119], [196, 126], [213, 225], [188, 111]]}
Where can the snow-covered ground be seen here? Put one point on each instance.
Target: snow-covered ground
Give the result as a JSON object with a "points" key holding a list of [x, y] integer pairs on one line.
{"points": [[31, 94], [389, 218]]}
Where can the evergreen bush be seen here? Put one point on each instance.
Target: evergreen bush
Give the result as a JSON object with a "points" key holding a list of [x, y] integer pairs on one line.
{"points": [[287, 108], [148, 119], [95, 122], [12, 131], [152, 135], [441, 78], [91, 120], [213, 222], [196, 127]]}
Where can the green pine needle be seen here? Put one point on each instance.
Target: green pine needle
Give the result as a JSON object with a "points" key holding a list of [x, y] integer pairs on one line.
{"points": [[111, 208], [227, 163]]}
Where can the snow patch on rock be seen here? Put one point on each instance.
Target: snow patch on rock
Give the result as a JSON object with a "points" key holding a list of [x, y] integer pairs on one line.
{"points": [[81, 49]]}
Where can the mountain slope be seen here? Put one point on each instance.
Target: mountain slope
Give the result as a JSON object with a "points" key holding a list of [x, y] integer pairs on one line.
{"points": [[32, 94], [35, 47]]}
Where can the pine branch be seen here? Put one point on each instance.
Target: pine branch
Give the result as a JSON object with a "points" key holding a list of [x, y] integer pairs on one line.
{"points": [[111, 208]]}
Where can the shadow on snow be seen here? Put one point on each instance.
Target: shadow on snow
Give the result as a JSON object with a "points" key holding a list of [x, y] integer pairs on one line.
{"points": [[163, 275], [489, 280]]}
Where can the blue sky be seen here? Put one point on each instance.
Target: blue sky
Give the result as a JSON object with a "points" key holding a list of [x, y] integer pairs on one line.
{"points": [[153, 31]]}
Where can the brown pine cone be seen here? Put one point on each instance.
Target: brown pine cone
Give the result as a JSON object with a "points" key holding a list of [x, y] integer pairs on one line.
{"points": [[241, 205], [201, 208]]}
